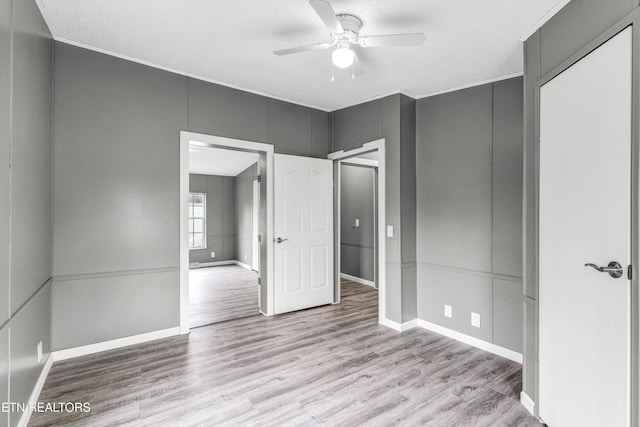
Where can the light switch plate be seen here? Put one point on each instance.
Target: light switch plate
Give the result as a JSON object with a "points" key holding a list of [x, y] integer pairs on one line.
{"points": [[213, 254], [475, 319], [357, 222], [39, 351], [448, 311], [389, 230]]}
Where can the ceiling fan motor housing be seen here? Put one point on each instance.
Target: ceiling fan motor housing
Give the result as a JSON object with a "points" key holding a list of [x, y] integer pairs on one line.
{"points": [[351, 25]]}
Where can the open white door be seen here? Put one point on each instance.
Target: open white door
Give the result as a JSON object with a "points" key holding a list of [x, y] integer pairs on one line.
{"points": [[585, 185], [303, 231]]}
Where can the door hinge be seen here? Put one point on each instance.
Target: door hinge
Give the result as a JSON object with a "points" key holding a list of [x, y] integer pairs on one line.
{"points": [[258, 178], [259, 281], [630, 272], [259, 237]]}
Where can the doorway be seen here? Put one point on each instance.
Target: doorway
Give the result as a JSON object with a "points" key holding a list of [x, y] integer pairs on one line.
{"points": [[360, 218], [358, 224], [585, 240], [218, 219], [222, 230]]}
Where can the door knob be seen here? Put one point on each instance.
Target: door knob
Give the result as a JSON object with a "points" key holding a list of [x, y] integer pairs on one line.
{"points": [[614, 269], [280, 240]]}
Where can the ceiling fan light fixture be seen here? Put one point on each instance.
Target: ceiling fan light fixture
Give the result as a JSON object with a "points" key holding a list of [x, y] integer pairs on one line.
{"points": [[342, 57]]}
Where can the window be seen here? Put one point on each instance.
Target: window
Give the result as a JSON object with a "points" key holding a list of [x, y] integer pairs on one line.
{"points": [[197, 220]]}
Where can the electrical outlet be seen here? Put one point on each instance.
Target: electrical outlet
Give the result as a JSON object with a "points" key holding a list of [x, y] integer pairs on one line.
{"points": [[448, 311], [213, 254], [475, 319], [39, 351], [245, 257], [389, 230]]}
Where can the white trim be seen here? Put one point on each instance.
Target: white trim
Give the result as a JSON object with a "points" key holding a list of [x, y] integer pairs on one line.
{"points": [[475, 342], [361, 162], [358, 280], [187, 138], [113, 344], [400, 327], [366, 148], [219, 263], [545, 18], [35, 394], [211, 264], [183, 73], [378, 145], [527, 403], [269, 95], [243, 265], [470, 85]]}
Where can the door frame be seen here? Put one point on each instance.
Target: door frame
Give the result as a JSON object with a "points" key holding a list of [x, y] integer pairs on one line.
{"points": [[337, 157], [255, 225], [373, 165], [633, 20], [266, 150]]}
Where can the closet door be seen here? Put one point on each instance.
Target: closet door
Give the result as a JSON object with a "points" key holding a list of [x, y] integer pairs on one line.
{"points": [[585, 191]]}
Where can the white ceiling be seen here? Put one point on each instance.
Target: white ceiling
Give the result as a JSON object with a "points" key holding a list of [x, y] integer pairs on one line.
{"points": [[217, 161], [231, 42]]}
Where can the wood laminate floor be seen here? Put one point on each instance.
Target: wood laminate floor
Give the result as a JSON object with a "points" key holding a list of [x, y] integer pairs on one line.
{"points": [[222, 293], [332, 365], [349, 287]]}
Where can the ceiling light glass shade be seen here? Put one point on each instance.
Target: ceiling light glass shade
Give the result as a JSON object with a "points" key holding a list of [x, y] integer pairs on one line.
{"points": [[342, 57]]}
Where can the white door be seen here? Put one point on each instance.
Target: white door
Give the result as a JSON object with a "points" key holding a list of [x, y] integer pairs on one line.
{"points": [[585, 176], [303, 230]]}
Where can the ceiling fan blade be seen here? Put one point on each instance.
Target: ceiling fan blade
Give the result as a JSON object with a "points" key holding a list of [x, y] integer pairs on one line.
{"points": [[319, 46], [413, 39], [327, 14], [357, 65]]}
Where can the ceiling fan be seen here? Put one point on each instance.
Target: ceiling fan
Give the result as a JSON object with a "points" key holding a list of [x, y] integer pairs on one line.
{"points": [[345, 30]]}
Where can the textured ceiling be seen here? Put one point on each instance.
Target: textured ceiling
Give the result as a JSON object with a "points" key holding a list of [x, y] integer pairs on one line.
{"points": [[231, 42], [218, 161]]}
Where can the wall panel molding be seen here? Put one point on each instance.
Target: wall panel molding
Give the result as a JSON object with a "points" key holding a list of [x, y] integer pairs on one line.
{"points": [[72, 277]]}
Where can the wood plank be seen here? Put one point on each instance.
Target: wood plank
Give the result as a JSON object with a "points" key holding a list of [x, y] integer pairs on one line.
{"points": [[218, 294], [331, 365]]}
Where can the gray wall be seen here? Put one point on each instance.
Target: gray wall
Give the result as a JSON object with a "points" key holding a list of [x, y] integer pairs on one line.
{"points": [[25, 198], [116, 175], [221, 217], [357, 200], [392, 118], [567, 32], [243, 184], [469, 198]]}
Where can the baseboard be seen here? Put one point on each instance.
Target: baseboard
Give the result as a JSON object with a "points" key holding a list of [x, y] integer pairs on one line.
{"points": [[211, 264], [217, 263], [527, 402], [35, 394], [475, 342], [243, 265], [358, 280], [400, 327], [113, 344]]}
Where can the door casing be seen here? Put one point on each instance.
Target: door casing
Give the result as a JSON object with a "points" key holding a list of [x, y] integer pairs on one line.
{"points": [[266, 152], [337, 157], [633, 19]]}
